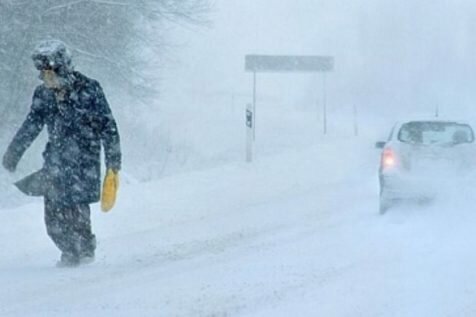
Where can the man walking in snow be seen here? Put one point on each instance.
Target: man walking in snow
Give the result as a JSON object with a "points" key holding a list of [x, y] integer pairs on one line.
{"points": [[78, 120]]}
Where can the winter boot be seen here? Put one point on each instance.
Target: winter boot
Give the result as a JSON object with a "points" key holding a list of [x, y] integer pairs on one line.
{"points": [[68, 260], [86, 257]]}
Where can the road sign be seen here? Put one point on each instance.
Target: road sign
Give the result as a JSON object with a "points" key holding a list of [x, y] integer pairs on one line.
{"points": [[284, 64], [288, 63]]}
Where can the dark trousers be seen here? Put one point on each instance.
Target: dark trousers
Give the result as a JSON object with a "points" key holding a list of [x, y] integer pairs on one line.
{"points": [[70, 228]]}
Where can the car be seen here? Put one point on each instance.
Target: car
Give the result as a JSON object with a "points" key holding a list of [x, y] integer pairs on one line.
{"points": [[421, 157]]}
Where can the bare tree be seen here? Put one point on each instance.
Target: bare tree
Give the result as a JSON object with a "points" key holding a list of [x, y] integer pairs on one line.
{"points": [[114, 37]]}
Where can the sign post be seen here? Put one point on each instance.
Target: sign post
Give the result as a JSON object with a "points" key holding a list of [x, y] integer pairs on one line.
{"points": [[254, 104], [324, 104]]}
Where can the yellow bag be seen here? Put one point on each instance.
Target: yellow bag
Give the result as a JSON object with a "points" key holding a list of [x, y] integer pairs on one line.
{"points": [[109, 190]]}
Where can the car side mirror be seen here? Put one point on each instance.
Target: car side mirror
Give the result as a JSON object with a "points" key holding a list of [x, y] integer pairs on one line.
{"points": [[380, 144]]}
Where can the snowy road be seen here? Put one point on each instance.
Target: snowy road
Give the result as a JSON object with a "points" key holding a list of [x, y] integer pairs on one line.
{"points": [[294, 234]]}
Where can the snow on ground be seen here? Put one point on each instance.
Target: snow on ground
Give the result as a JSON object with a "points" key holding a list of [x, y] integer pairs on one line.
{"points": [[294, 233]]}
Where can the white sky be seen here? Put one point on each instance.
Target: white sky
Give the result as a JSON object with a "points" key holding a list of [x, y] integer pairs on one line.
{"points": [[390, 56]]}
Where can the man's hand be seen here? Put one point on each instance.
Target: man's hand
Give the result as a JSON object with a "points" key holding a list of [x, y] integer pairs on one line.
{"points": [[109, 190], [9, 162]]}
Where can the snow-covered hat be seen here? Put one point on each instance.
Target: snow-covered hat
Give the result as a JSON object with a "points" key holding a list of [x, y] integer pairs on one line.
{"points": [[52, 54]]}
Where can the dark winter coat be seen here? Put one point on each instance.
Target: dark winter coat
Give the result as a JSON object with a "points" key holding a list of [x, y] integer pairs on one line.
{"points": [[77, 124]]}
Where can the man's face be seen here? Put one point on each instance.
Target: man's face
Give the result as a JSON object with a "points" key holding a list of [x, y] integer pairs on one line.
{"points": [[50, 78]]}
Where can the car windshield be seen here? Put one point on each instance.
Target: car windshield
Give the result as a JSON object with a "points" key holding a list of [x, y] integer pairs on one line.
{"points": [[427, 132]]}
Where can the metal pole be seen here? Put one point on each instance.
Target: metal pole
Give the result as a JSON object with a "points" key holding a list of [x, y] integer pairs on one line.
{"points": [[324, 107], [254, 105], [232, 102]]}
